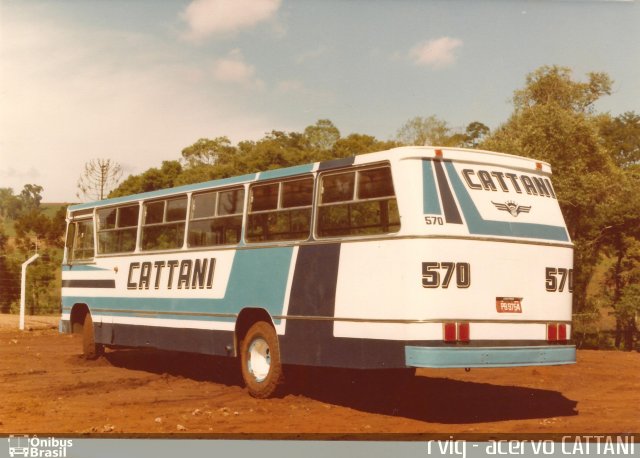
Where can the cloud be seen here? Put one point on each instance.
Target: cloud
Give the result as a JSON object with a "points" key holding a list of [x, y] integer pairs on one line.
{"points": [[71, 93], [206, 18], [438, 53], [233, 69]]}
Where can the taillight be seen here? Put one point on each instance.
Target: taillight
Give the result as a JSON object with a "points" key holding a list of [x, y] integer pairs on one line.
{"points": [[557, 332], [456, 332], [463, 332], [562, 332], [449, 332]]}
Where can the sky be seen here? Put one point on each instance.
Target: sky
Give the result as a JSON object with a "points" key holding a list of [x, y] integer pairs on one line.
{"points": [[137, 81]]}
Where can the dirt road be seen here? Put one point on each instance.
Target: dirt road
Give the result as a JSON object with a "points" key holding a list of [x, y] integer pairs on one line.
{"points": [[48, 388]]}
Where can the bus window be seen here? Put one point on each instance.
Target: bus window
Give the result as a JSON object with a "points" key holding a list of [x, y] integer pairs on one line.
{"points": [[372, 210], [163, 225], [280, 211], [80, 240], [117, 229], [216, 218]]}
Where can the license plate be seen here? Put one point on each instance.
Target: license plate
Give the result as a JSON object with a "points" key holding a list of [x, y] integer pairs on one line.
{"points": [[509, 304]]}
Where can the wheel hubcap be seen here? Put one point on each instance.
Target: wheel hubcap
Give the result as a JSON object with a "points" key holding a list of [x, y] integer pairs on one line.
{"points": [[259, 360]]}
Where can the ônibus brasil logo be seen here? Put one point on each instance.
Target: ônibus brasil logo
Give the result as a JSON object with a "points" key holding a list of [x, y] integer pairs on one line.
{"points": [[50, 447]]}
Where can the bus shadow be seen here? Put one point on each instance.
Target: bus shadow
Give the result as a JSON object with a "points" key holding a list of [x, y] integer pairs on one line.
{"points": [[428, 399], [432, 399], [201, 368]]}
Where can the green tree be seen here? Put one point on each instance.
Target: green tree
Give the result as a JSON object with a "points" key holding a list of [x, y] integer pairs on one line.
{"points": [[10, 204], [32, 227], [355, 144], [9, 276], [208, 152], [620, 241], [553, 121], [210, 159], [31, 196], [475, 133], [421, 131], [150, 180], [621, 136], [322, 136]]}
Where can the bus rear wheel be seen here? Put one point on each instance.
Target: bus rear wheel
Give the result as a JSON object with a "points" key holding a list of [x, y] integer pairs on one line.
{"points": [[260, 360], [90, 349]]}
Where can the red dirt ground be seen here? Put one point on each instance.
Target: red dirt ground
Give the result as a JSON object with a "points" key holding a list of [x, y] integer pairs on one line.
{"points": [[48, 388]]}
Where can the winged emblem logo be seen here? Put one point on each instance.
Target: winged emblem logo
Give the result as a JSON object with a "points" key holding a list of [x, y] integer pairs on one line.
{"points": [[513, 208]]}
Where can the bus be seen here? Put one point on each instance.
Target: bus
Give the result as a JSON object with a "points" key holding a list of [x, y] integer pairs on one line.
{"points": [[415, 257]]}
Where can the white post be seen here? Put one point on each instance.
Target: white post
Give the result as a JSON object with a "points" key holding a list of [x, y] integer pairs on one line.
{"points": [[23, 287]]}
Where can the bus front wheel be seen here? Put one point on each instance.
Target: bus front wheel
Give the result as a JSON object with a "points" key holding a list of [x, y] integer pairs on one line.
{"points": [[90, 349], [260, 358]]}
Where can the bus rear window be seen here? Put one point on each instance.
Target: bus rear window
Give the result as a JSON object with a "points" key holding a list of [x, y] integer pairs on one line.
{"points": [[371, 210]]}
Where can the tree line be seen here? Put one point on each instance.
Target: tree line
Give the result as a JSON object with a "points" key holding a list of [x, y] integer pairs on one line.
{"points": [[595, 158], [32, 229]]}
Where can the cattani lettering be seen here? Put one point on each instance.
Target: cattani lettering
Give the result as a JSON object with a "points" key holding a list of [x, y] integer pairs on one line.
{"points": [[172, 274], [491, 180]]}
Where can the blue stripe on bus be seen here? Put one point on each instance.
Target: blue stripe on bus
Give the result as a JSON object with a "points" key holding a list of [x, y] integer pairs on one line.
{"points": [[448, 357], [167, 192], [258, 279], [280, 173], [480, 226], [430, 201]]}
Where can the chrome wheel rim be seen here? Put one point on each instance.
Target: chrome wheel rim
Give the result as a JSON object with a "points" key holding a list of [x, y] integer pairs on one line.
{"points": [[259, 360]]}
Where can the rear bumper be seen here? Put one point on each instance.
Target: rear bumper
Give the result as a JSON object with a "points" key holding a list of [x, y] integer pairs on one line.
{"points": [[443, 357]]}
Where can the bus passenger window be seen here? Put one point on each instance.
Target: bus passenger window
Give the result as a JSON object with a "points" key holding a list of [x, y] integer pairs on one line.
{"points": [[216, 218], [374, 209], [117, 229], [164, 223], [80, 241], [338, 188], [284, 215]]}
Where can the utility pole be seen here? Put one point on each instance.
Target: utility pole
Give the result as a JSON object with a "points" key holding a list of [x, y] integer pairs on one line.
{"points": [[23, 286]]}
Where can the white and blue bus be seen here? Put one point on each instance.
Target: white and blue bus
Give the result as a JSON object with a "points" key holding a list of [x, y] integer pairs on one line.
{"points": [[400, 259]]}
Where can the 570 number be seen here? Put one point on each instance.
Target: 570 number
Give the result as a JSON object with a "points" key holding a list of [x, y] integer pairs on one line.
{"points": [[440, 274], [557, 278]]}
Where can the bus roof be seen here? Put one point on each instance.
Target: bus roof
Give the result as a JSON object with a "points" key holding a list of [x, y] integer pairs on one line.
{"points": [[403, 152]]}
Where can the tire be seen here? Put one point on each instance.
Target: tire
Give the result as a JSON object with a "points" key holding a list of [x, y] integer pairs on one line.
{"points": [[90, 349], [260, 360]]}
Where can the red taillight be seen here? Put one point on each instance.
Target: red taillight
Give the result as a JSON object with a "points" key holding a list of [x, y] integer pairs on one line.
{"points": [[449, 332], [438, 153], [456, 332], [562, 332], [552, 332], [463, 332]]}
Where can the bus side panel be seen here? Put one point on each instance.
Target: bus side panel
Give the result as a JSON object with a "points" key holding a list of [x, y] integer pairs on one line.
{"points": [[128, 311], [311, 341], [206, 341]]}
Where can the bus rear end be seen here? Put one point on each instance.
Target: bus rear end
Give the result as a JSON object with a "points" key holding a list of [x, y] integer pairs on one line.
{"points": [[496, 263]]}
